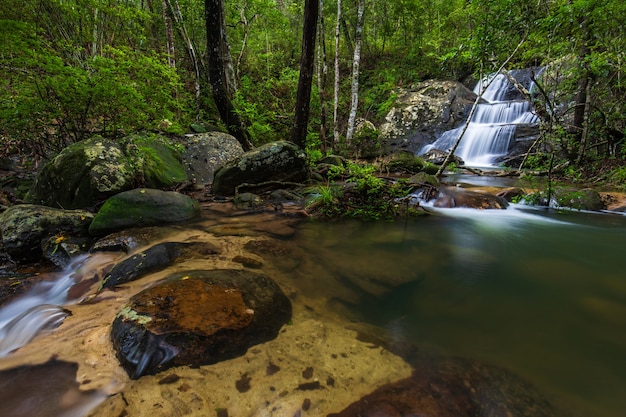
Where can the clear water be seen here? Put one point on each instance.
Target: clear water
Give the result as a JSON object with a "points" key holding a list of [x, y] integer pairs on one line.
{"points": [[539, 293]]}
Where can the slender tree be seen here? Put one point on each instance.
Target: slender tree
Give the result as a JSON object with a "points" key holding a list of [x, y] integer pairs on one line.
{"points": [[354, 97], [322, 73], [218, 64], [307, 68], [336, 133]]}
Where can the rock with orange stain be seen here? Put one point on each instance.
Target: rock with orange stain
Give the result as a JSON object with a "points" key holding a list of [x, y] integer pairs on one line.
{"points": [[197, 318]]}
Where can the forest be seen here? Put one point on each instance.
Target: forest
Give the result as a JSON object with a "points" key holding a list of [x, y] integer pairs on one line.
{"points": [[268, 70]]}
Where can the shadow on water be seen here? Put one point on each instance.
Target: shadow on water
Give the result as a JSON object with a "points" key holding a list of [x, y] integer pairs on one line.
{"points": [[538, 292]]}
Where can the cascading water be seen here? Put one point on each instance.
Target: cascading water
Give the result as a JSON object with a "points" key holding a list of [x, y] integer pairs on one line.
{"points": [[41, 308], [491, 132]]}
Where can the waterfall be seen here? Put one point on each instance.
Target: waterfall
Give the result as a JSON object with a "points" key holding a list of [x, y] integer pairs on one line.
{"points": [[491, 132]]}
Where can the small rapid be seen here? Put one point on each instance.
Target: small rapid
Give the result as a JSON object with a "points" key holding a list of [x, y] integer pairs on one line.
{"points": [[42, 307]]}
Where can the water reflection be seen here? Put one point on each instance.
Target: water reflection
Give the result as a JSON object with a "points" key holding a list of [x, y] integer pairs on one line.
{"points": [[537, 292]]}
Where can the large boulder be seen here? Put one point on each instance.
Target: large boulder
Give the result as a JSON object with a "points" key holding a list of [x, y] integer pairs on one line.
{"points": [[143, 207], [82, 174], [25, 227], [198, 318], [206, 152], [274, 162], [87, 172], [423, 112]]}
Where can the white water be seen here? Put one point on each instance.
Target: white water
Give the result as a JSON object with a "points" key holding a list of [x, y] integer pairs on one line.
{"points": [[491, 132], [41, 308]]}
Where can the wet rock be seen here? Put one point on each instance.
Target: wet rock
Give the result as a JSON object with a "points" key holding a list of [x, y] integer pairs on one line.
{"points": [[130, 239], [206, 152], [510, 194], [272, 163], [143, 207], [196, 318], [142, 263], [449, 197], [60, 250], [247, 201], [25, 227], [454, 388], [437, 157]]}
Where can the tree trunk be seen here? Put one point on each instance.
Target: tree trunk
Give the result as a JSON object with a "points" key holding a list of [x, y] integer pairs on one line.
{"points": [[322, 75], [354, 97], [171, 60], [218, 70], [336, 134], [191, 50], [307, 67]]}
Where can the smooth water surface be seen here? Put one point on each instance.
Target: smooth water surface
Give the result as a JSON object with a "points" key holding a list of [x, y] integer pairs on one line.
{"points": [[542, 294]]}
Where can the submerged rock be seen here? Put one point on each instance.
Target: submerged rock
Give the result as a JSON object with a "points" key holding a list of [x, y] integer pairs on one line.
{"points": [[57, 391], [196, 318], [139, 264], [454, 388]]}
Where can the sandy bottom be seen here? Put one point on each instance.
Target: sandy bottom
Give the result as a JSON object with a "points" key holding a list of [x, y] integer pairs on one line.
{"points": [[315, 366]]}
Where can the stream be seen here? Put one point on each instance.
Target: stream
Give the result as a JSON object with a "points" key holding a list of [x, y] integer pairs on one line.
{"points": [[535, 291]]}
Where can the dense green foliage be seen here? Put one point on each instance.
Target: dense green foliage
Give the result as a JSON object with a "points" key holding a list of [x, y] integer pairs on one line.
{"points": [[72, 68]]}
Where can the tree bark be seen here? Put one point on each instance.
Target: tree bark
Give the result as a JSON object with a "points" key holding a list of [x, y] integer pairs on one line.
{"points": [[171, 57], [336, 133], [322, 75], [191, 50], [354, 97], [218, 71], [307, 67]]}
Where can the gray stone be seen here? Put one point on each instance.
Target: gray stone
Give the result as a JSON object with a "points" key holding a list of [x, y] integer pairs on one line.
{"points": [[206, 152]]}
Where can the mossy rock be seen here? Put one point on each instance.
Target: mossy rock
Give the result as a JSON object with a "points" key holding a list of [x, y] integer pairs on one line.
{"points": [[266, 166], [24, 227], [161, 163], [143, 207], [584, 199], [83, 174]]}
